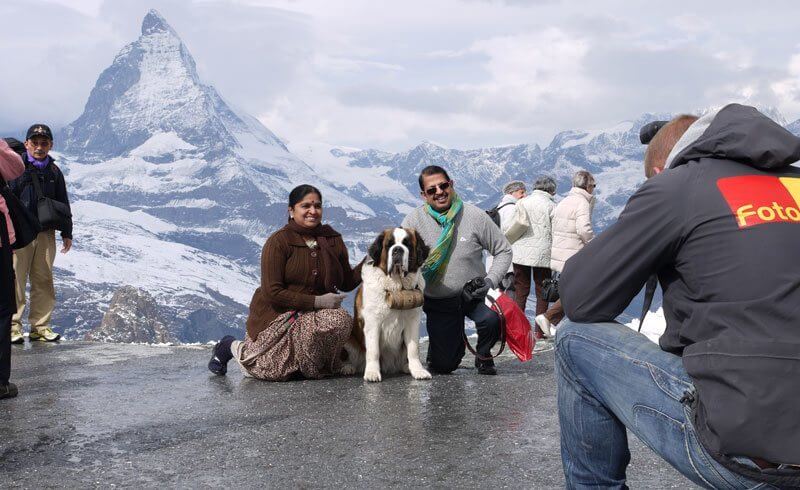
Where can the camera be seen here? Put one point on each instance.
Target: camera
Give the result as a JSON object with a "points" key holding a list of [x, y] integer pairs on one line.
{"points": [[649, 131], [467, 293]]}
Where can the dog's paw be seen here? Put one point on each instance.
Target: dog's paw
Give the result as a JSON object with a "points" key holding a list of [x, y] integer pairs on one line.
{"points": [[372, 375], [421, 374], [348, 370]]}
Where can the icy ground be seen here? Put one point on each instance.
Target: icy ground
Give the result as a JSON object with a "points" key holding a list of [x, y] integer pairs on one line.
{"points": [[104, 415]]}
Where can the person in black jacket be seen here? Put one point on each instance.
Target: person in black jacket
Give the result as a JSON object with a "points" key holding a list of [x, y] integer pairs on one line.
{"points": [[719, 223], [35, 261]]}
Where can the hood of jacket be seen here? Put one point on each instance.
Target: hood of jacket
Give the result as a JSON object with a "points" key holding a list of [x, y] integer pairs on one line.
{"points": [[739, 133]]}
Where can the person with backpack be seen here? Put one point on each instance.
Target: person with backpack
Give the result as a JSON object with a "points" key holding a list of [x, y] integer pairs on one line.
{"points": [[456, 282], [42, 189], [11, 167], [718, 223], [532, 249], [502, 215]]}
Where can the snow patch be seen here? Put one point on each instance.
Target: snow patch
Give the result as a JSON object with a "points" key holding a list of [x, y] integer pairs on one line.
{"points": [[654, 325], [191, 203], [161, 144], [89, 212]]}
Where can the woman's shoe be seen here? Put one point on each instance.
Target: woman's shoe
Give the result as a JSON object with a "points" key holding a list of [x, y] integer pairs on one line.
{"points": [[220, 356], [544, 323]]}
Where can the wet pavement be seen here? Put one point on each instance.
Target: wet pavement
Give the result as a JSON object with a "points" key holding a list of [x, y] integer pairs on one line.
{"points": [[102, 415]]}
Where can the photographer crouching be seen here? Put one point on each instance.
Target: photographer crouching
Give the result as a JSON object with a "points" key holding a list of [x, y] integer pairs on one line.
{"points": [[718, 221]]}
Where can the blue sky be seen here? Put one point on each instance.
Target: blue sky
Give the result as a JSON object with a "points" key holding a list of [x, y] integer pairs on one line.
{"points": [[389, 74]]}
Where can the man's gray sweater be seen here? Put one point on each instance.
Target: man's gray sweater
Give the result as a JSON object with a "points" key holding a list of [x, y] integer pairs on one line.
{"points": [[474, 233]]}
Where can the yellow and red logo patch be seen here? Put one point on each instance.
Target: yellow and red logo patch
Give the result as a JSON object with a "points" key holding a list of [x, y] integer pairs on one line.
{"points": [[758, 199]]}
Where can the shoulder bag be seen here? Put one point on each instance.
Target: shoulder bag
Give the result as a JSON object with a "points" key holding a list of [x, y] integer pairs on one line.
{"points": [[519, 224], [52, 214]]}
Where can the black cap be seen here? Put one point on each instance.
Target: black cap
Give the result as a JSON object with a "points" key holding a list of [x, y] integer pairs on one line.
{"points": [[39, 130], [649, 130]]}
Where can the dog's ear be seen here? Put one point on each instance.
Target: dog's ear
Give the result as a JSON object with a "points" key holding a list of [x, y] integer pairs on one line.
{"points": [[422, 249], [376, 250]]}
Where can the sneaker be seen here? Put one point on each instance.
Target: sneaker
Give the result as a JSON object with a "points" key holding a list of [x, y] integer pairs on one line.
{"points": [[220, 356], [8, 391], [44, 334], [486, 367], [544, 323], [17, 337]]}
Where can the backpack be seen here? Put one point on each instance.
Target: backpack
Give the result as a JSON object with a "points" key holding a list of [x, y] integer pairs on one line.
{"points": [[18, 147], [494, 213]]}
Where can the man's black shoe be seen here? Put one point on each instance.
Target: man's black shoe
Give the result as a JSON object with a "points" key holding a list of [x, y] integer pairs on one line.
{"points": [[220, 356], [8, 391], [485, 367]]}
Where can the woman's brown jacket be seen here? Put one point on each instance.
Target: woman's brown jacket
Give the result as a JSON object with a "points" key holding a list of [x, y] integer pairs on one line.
{"points": [[291, 277]]}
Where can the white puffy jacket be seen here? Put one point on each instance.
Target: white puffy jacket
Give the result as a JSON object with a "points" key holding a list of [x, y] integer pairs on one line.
{"points": [[572, 226], [506, 214], [533, 247]]}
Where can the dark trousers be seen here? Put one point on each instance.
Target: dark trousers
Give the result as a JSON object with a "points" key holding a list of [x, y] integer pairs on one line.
{"points": [[522, 283], [7, 308], [445, 324]]}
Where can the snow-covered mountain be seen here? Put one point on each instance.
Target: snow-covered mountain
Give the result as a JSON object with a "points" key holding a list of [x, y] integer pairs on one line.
{"points": [[174, 191], [613, 155]]}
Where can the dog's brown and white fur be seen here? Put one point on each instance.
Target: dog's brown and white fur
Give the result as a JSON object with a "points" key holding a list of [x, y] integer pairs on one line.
{"points": [[386, 340]]}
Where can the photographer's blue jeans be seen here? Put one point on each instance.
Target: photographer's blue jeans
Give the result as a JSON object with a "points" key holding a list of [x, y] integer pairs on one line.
{"points": [[611, 378]]}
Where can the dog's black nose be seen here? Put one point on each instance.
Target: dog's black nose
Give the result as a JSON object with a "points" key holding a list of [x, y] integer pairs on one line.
{"points": [[397, 252]]}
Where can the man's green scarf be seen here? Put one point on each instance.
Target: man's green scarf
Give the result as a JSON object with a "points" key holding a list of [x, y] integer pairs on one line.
{"points": [[437, 261]]}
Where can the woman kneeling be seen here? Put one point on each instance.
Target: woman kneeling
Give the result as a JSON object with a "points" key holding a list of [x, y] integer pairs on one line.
{"points": [[296, 326]]}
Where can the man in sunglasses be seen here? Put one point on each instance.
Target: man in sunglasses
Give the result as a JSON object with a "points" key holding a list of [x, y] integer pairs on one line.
{"points": [[457, 233]]}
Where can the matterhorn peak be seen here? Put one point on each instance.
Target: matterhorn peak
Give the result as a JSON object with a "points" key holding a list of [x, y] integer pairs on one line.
{"points": [[155, 22], [152, 90]]}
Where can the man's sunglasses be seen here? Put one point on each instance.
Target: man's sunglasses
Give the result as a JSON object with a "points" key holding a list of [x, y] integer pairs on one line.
{"points": [[442, 187]]}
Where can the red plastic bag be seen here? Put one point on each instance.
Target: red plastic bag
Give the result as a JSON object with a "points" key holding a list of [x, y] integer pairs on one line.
{"points": [[515, 329], [518, 334]]}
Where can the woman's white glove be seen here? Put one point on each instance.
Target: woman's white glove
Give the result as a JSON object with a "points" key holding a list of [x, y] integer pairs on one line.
{"points": [[328, 301]]}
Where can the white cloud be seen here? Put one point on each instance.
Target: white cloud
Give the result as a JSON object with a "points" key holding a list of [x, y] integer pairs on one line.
{"points": [[788, 89], [531, 70], [389, 74]]}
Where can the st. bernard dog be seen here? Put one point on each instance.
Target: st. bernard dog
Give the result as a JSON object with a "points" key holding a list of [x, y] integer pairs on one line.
{"points": [[388, 307]]}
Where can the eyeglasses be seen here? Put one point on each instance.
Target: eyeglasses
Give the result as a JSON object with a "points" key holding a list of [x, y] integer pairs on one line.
{"points": [[442, 187]]}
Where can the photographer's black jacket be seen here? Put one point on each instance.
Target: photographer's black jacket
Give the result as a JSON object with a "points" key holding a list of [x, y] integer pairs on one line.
{"points": [[53, 186], [721, 228]]}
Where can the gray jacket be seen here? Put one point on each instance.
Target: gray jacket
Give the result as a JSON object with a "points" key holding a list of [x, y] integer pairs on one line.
{"points": [[474, 233]]}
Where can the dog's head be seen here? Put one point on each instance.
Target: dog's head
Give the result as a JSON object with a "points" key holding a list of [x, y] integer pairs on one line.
{"points": [[399, 251]]}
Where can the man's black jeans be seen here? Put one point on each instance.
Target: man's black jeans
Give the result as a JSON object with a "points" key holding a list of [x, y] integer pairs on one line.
{"points": [[445, 324]]}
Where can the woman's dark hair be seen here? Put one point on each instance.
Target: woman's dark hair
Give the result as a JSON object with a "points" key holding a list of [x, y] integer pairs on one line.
{"points": [[301, 191]]}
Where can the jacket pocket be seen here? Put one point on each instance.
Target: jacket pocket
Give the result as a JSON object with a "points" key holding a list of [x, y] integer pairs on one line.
{"points": [[748, 391]]}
